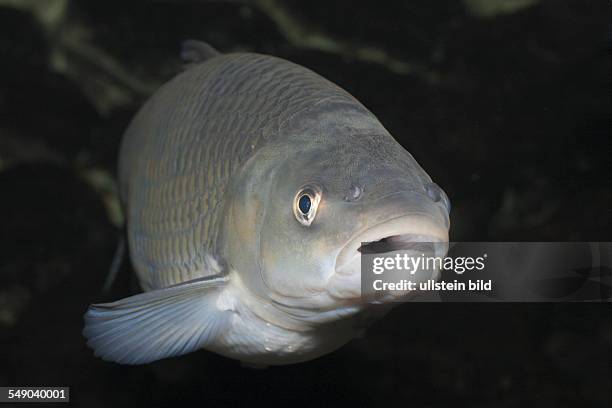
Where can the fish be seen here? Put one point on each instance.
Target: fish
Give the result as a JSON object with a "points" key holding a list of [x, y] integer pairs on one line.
{"points": [[250, 185]]}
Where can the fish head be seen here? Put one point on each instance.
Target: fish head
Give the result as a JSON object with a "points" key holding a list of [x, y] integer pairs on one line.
{"points": [[317, 208]]}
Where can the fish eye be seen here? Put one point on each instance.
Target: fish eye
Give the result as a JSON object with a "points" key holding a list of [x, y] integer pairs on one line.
{"points": [[305, 204]]}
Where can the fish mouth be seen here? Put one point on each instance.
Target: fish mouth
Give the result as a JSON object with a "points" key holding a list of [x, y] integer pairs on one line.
{"points": [[407, 232], [411, 242], [416, 234]]}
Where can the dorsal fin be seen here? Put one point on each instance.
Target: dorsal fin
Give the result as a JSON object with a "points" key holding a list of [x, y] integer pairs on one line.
{"points": [[195, 52]]}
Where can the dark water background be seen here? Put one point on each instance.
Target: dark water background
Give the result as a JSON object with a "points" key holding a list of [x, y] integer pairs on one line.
{"points": [[509, 109]]}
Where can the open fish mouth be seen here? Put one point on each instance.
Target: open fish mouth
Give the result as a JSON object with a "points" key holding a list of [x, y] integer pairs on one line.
{"points": [[410, 233], [415, 235], [402, 242]]}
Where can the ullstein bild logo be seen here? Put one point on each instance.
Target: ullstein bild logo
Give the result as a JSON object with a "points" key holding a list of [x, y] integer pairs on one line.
{"points": [[489, 271]]}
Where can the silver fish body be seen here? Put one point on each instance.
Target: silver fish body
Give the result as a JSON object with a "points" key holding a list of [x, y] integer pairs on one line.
{"points": [[249, 183]]}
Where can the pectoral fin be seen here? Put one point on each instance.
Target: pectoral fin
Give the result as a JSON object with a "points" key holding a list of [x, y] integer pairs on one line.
{"points": [[157, 324]]}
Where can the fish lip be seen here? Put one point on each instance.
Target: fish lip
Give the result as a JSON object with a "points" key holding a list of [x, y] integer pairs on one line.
{"points": [[415, 227]]}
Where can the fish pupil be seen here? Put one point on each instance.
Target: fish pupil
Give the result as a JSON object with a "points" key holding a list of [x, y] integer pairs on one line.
{"points": [[304, 204]]}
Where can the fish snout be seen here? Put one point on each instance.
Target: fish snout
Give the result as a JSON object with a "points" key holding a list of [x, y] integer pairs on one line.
{"points": [[409, 221]]}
